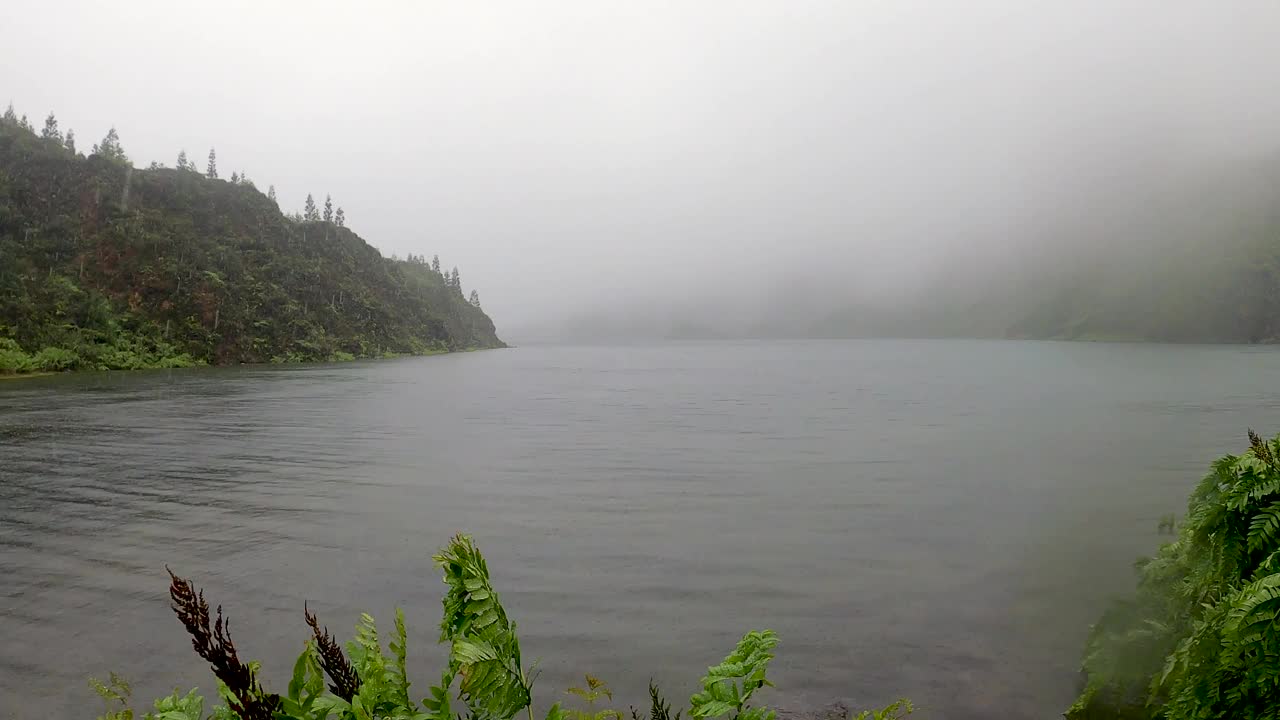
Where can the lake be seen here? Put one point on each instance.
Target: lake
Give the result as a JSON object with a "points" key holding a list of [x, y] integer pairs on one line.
{"points": [[935, 519]]}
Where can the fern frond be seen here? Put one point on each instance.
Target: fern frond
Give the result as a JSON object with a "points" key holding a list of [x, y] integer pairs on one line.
{"points": [[659, 709], [397, 670], [307, 684], [485, 650], [727, 687], [1270, 564], [116, 691], [895, 711], [1264, 529], [369, 662], [1254, 480], [1251, 599], [594, 690], [437, 704], [178, 707]]}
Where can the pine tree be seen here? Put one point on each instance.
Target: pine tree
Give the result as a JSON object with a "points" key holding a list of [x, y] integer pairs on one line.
{"points": [[182, 159], [271, 194], [10, 115], [328, 208], [235, 178], [110, 147], [70, 141], [154, 165], [454, 282], [50, 131], [309, 212], [211, 170], [339, 218], [475, 298], [435, 263], [26, 124]]}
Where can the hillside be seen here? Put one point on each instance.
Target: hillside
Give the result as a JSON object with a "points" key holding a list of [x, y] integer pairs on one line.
{"points": [[103, 265], [1188, 258], [1199, 263]]}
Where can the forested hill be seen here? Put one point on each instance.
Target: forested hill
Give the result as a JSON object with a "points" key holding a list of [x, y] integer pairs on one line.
{"points": [[103, 265]]}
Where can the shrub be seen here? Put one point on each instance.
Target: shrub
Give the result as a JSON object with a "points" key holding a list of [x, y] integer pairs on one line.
{"points": [[183, 360], [1201, 636], [594, 689], [484, 672], [727, 687], [55, 359], [13, 359]]}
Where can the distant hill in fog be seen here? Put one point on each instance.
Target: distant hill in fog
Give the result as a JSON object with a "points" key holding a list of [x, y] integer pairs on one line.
{"points": [[1188, 256]]}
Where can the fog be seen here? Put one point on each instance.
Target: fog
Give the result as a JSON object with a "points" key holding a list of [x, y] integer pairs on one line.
{"points": [[594, 166]]}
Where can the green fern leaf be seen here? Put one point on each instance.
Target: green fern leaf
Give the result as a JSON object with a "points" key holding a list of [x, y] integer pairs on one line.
{"points": [[728, 686], [485, 650], [397, 669], [1264, 530]]}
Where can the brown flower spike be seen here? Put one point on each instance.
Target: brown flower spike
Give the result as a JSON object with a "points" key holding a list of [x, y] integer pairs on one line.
{"points": [[1261, 449], [346, 682], [215, 646]]}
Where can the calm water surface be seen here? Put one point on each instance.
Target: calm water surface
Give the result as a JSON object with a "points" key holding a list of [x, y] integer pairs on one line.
{"points": [[937, 519]]}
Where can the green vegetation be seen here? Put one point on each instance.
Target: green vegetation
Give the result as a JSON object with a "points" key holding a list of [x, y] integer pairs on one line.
{"points": [[594, 690], [1201, 636], [728, 686], [483, 679], [106, 266]]}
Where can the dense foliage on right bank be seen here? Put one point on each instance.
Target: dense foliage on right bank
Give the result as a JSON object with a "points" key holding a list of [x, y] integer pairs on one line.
{"points": [[1200, 638]]}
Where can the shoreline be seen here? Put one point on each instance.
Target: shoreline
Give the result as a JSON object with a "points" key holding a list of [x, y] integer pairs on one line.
{"points": [[330, 361], [24, 375]]}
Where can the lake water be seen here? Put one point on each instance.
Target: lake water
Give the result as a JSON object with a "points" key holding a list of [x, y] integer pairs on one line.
{"points": [[935, 519]]}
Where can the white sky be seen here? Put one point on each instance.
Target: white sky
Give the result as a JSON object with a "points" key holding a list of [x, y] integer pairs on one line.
{"points": [[587, 154]]}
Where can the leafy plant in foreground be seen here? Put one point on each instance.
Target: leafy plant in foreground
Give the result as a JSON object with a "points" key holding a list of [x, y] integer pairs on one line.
{"points": [[179, 707], [346, 682], [1201, 636], [384, 684], [115, 691], [485, 651], [594, 690], [659, 709], [727, 687], [368, 682], [214, 644], [895, 711]]}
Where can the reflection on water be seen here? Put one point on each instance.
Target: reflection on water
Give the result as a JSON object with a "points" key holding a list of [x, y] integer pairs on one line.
{"points": [[939, 519]]}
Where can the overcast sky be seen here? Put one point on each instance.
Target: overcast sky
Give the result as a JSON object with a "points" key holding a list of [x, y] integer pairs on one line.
{"points": [[586, 154]]}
